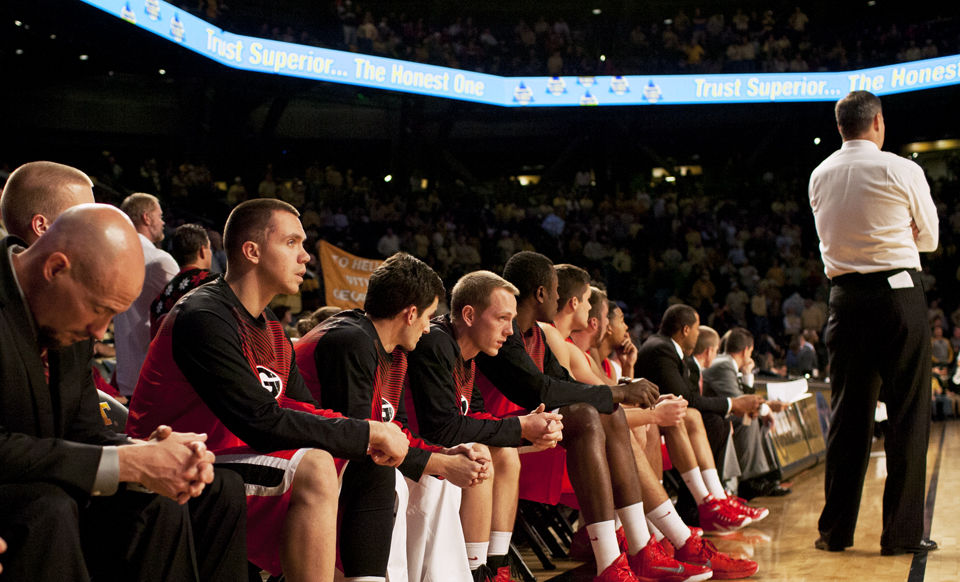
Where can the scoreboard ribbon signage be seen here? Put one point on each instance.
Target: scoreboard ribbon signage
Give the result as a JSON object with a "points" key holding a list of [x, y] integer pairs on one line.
{"points": [[345, 276], [296, 60]]}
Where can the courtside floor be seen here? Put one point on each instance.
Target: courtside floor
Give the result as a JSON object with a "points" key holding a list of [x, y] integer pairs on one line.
{"points": [[783, 542]]}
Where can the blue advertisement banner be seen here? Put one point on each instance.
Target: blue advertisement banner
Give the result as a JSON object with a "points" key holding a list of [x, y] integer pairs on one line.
{"points": [[295, 60]]}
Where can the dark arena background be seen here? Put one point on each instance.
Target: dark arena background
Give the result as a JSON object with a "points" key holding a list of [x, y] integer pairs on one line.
{"points": [[704, 204]]}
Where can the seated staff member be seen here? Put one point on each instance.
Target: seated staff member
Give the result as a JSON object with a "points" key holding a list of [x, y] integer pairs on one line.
{"points": [[726, 375], [221, 364], [448, 410], [661, 358], [355, 362], [62, 508]]}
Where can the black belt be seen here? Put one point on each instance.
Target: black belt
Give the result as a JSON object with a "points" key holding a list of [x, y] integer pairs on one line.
{"points": [[877, 279]]}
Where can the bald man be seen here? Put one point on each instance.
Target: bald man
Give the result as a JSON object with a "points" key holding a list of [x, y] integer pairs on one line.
{"points": [[37, 192], [63, 513]]}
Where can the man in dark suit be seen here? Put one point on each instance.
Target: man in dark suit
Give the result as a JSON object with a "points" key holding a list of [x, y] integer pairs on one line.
{"points": [[60, 468], [661, 360], [727, 375]]}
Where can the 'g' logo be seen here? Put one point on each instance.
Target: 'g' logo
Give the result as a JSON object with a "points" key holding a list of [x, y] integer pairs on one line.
{"points": [[464, 405], [270, 381], [386, 410]]}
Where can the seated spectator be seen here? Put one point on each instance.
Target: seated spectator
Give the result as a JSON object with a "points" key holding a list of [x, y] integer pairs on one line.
{"points": [[942, 350]]}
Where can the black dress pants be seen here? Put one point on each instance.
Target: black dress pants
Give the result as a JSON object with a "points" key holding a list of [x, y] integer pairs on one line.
{"points": [[54, 536], [879, 345]]}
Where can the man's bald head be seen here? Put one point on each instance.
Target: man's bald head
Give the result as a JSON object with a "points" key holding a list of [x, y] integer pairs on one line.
{"points": [[85, 269], [37, 193]]}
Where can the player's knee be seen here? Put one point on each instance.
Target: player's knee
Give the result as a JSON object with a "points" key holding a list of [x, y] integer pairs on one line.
{"points": [[693, 418], [639, 436], [615, 424], [581, 421], [316, 478], [506, 462]]}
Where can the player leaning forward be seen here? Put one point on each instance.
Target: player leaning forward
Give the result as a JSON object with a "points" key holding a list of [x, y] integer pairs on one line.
{"points": [[222, 365]]}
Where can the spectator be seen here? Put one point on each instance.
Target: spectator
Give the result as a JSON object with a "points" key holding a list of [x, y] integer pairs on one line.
{"points": [[132, 327]]}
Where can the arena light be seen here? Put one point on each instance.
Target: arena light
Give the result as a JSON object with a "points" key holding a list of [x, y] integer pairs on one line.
{"points": [[597, 12], [922, 147], [263, 55], [816, 141], [388, 178]]}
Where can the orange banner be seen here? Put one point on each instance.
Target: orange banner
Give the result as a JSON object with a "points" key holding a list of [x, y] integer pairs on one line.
{"points": [[345, 276]]}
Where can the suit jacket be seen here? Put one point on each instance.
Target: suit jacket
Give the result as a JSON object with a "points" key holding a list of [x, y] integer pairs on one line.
{"points": [[659, 362], [49, 432], [693, 371], [722, 378]]}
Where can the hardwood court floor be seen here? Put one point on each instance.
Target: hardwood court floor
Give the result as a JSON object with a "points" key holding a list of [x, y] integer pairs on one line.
{"points": [[783, 542]]}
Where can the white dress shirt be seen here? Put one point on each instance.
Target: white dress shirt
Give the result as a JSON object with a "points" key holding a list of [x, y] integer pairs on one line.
{"points": [[131, 329], [863, 201]]}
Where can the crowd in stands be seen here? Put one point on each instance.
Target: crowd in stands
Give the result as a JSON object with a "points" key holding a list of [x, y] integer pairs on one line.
{"points": [[732, 40], [743, 254]]}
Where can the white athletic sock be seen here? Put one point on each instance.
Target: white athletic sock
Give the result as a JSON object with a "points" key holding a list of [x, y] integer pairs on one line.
{"points": [[654, 531], [617, 524], [695, 484], [365, 579], [477, 554], [603, 539], [635, 526], [667, 520], [499, 543], [712, 479]]}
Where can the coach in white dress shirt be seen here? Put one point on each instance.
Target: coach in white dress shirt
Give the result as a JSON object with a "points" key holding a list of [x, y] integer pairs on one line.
{"points": [[132, 327], [874, 216]]}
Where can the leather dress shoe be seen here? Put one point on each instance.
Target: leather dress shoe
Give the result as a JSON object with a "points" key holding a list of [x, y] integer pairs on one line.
{"points": [[823, 544], [759, 487], [777, 490], [922, 547]]}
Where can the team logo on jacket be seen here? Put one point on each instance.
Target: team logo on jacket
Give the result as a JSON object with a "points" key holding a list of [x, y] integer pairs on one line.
{"points": [[387, 411], [464, 405], [270, 381]]}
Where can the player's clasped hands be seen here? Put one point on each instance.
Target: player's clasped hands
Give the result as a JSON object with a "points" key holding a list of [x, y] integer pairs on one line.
{"points": [[670, 410], [638, 391], [543, 429], [388, 445]]}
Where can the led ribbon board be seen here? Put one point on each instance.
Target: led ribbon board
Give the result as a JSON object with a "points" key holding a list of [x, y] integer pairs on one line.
{"points": [[296, 60]]}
